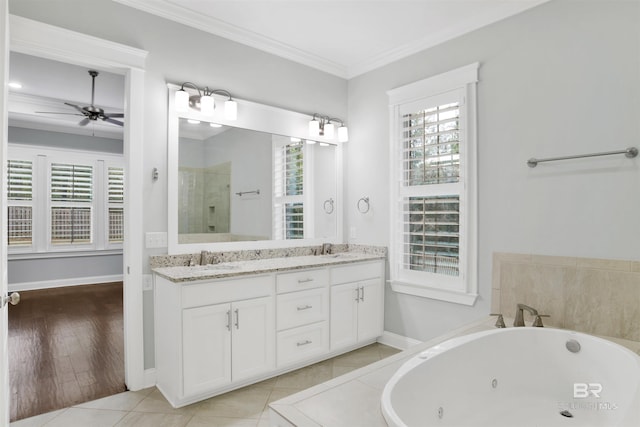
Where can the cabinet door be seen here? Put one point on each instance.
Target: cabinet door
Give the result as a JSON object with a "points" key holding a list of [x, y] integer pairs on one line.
{"points": [[344, 315], [370, 309], [206, 348], [253, 337]]}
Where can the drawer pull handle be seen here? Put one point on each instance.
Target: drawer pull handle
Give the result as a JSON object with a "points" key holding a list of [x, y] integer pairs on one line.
{"points": [[237, 318], [228, 320], [362, 294], [305, 342], [305, 307], [305, 280]]}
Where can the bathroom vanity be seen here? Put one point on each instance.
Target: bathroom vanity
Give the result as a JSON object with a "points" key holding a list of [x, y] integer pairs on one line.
{"points": [[223, 326]]}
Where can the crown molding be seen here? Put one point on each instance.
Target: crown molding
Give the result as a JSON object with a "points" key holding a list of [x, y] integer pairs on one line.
{"points": [[170, 11], [234, 33]]}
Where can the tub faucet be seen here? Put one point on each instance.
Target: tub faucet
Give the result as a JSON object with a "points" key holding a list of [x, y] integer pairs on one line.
{"points": [[519, 321]]}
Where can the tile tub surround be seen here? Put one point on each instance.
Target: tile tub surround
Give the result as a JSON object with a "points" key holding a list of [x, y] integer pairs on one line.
{"points": [[159, 261], [241, 267], [596, 296], [353, 399]]}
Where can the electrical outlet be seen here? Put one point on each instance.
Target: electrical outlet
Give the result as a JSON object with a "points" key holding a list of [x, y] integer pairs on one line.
{"points": [[352, 232], [155, 239], [147, 282]]}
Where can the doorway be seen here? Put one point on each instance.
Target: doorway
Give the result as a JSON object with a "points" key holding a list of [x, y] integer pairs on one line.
{"points": [[38, 39]]}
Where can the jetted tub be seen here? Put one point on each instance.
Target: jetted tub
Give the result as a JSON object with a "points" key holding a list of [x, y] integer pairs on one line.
{"points": [[517, 377]]}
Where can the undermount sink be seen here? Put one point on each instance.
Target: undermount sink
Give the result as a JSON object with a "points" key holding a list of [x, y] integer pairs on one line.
{"points": [[222, 267], [340, 256]]}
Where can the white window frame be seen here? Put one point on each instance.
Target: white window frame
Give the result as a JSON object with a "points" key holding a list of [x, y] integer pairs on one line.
{"points": [[43, 158], [464, 288]]}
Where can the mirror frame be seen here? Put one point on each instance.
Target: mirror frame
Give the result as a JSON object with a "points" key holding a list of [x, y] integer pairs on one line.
{"points": [[251, 116]]}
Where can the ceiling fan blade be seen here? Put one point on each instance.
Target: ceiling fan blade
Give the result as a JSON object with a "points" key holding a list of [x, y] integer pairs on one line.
{"points": [[112, 121], [56, 112], [76, 107], [114, 114], [84, 121]]}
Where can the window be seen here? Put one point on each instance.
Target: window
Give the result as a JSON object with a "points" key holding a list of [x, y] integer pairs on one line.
{"points": [[62, 200], [433, 251], [71, 195], [20, 202], [288, 182]]}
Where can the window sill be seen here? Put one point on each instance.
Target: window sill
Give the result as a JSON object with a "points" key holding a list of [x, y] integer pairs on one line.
{"points": [[462, 298]]}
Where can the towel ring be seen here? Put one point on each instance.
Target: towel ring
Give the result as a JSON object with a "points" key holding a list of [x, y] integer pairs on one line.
{"points": [[328, 206], [363, 205]]}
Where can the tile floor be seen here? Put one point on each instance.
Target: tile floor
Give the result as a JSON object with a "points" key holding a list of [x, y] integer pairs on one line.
{"points": [[240, 408]]}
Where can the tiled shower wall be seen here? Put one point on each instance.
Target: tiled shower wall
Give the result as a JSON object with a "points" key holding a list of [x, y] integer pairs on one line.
{"points": [[596, 296]]}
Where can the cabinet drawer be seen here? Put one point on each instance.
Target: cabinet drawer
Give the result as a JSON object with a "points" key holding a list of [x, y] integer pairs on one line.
{"points": [[302, 343], [302, 308], [300, 280], [355, 272], [226, 290]]}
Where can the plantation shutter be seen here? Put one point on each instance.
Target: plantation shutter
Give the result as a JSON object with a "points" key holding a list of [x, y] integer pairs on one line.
{"points": [[430, 205], [19, 199], [115, 183], [289, 191], [71, 197], [71, 183]]}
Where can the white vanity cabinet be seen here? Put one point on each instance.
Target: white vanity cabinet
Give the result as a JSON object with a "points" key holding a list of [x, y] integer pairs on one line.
{"points": [[212, 334], [356, 303]]}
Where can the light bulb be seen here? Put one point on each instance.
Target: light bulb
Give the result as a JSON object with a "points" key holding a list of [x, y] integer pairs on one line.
{"points": [[314, 128], [343, 134], [230, 110], [207, 105], [182, 101]]}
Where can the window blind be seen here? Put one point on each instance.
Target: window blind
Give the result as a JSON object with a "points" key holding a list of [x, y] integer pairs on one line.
{"points": [[432, 234], [20, 180], [431, 145], [294, 220], [70, 225], [289, 191], [115, 197], [19, 193], [115, 178], [71, 183]]}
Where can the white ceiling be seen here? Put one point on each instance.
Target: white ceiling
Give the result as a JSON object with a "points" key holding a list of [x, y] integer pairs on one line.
{"points": [[345, 38], [47, 85]]}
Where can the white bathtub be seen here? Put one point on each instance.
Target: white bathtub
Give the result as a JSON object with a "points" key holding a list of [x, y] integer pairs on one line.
{"points": [[517, 377]]}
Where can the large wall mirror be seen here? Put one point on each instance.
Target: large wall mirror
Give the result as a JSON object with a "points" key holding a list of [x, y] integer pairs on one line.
{"points": [[252, 183]]}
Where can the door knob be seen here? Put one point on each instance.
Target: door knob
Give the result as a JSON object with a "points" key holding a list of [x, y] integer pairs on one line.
{"points": [[13, 299]]}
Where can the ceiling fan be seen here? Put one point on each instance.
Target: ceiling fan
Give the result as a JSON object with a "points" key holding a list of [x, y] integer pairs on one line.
{"points": [[91, 112]]}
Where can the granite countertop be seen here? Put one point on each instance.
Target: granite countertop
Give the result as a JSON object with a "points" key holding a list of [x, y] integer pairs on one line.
{"points": [[269, 265]]}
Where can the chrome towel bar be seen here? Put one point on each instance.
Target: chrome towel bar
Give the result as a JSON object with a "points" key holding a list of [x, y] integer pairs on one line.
{"points": [[630, 153]]}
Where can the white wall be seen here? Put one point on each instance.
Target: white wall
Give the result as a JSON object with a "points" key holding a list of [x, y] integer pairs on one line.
{"points": [[176, 54], [559, 79]]}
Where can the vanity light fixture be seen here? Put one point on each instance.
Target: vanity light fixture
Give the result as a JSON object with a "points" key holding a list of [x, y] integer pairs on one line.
{"points": [[204, 101], [324, 126]]}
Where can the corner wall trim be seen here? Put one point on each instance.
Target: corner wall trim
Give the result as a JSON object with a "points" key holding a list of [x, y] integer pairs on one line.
{"points": [[59, 283], [397, 341]]}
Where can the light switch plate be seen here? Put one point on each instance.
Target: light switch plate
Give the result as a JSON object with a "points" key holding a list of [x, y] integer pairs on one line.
{"points": [[155, 239], [147, 282]]}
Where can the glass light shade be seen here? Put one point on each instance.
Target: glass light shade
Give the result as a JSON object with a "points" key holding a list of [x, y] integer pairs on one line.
{"points": [[230, 110], [310, 141], [182, 101], [314, 128], [328, 130], [207, 105], [343, 134], [193, 121]]}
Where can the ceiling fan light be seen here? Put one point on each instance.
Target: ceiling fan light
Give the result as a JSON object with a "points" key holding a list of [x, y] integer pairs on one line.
{"points": [[207, 105], [182, 101], [230, 110]]}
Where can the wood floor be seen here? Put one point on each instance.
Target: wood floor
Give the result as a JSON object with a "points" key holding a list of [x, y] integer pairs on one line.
{"points": [[66, 346]]}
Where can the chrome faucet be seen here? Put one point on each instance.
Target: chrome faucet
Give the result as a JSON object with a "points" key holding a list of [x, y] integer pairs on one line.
{"points": [[326, 249], [519, 320]]}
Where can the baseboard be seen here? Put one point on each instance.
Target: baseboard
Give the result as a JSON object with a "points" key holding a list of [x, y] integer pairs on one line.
{"points": [[149, 379], [59, 283], [397, 341]]}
